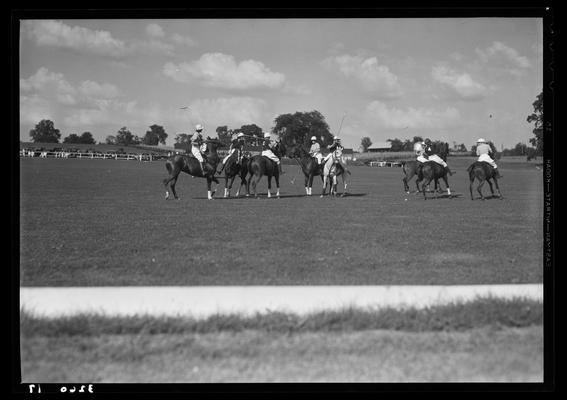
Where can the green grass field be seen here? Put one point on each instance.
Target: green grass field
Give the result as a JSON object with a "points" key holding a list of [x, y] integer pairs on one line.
{"points": [[106, 222]]}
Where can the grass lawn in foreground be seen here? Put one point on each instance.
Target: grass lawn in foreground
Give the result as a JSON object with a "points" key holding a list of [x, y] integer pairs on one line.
{"points": [[105, 222]]}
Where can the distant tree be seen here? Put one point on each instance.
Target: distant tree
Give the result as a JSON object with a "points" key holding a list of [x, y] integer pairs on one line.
{"points": [[251, 130], [537, 118], [365, 143], [408, 145], [45, 132], [224, 135], [125, 138], [462, 147], [417, 139], [396, 144], [183, 138], [521, 149], [110, 139], [72, 138], [87, 138], [155, 135], [300, 126], [473, 150]]}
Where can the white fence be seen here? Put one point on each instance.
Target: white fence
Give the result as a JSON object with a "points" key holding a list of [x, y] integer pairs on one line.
{"points": [[103, 156], [385, 164]]}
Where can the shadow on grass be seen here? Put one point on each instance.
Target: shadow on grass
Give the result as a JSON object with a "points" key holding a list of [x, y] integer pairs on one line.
{"points": [[445, 196], [282, 196]]}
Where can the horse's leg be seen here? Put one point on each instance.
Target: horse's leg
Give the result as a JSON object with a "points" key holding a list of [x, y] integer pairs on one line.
{"points": [[172, 187], [491, 188], [345, 183], [277, 178], [447, 184], [324, 185], [497, 188], [269, 185], [426, 182], [479, 188], [209, 182]]}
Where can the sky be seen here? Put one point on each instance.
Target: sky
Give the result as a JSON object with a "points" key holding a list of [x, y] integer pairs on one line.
{"points": [[451, 79]]}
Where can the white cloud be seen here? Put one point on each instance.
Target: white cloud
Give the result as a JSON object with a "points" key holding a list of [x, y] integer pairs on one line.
{"points": [[182, 40], [461, 84], [232, 111], [380, 115], [155, 31], [505, 57], [97, 90], [371, 75], [221, 70], [56, 33]]}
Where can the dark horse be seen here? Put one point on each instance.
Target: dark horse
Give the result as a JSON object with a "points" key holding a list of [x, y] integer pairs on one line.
{"points": [[484, 172], [259, 165], [413, 168], [310, 167], [232, 169], [189, 164], [432, 171]]}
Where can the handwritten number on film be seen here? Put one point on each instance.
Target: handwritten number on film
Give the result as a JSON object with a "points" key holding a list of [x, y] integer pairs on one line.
{"points": [[73, 389]]}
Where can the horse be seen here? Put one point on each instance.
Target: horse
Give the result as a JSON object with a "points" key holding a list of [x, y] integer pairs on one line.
{"points": [[189, 164], [310, 167], [410, 169], [232, 169], [484, 172], [331, 170], [260, 165], [431, 170]]}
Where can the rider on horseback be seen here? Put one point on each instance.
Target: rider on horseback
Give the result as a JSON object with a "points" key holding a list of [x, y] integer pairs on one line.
{"points": [[198, 147], [267, 147], [315, 150], [235, 145], [336, 151], [431, 156], [485, 152]]}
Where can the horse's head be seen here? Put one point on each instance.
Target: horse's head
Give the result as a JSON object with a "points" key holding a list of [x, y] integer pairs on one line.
{"points": [[279, 149], [213, 144]]}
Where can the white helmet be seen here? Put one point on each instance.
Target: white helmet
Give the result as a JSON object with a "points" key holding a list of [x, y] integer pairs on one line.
{"points": [[336, 138], [199, 127], [240, 135], [313, 138], [266, 134], [481, 140]]}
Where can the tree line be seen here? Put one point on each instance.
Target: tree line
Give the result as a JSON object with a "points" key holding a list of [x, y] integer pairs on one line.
{"points": [[291, 128]]}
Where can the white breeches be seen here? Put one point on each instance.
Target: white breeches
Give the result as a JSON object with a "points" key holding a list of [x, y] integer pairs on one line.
{"points": [[224, 160], [437, 159], [270, 154], [486, 158], [197, 153], [422, 159]]}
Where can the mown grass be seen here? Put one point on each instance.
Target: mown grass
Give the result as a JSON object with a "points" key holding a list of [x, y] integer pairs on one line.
{"points": [[453, 317], [106, 223]]}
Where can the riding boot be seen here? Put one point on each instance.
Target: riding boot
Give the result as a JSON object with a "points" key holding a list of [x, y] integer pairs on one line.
{"points": [[222, 169], [203, 167], [448, 170]]}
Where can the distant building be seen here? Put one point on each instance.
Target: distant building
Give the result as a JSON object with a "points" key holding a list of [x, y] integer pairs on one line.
{"points": [[379, 147], [348, 154]]}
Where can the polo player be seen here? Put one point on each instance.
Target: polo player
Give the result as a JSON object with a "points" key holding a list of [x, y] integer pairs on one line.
{"points": [[431, 156], [315, 150], [267, 145], [198, 147], [336, 151], [236, 144], [484, 153]]}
